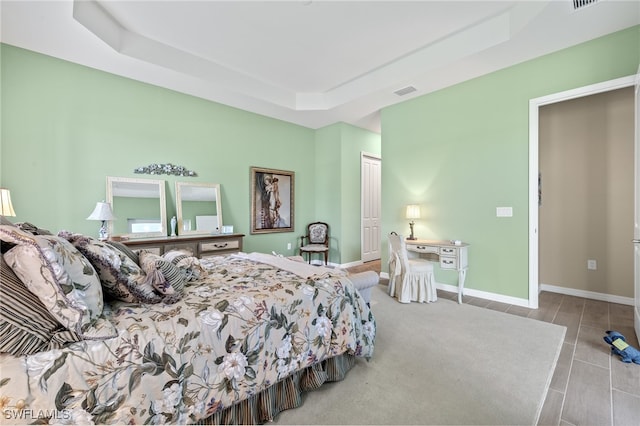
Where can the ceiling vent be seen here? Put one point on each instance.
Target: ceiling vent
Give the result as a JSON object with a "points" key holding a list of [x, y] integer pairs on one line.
{"points": [[405, 90], [580, 4]]}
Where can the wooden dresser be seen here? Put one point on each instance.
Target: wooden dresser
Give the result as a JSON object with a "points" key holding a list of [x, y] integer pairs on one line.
{"points": [[199, 245]]}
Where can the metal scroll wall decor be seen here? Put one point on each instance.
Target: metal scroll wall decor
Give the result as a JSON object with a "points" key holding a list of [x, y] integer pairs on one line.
{"points": [[165, 169]]}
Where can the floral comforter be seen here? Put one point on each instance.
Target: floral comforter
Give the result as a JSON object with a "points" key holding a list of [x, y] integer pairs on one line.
{"points": [[236, 332]]}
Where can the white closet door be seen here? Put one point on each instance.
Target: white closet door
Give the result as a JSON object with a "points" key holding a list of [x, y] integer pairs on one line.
{"points": [[371, 167]]}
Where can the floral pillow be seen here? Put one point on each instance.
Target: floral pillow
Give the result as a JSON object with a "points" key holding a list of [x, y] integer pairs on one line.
{"points": [[62, 279], [122, 279], [26, 326], [165, 277]]}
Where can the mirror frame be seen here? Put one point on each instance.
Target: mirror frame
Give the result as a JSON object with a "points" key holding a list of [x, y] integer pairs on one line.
{"points": [[162, 200], [179, 191]]}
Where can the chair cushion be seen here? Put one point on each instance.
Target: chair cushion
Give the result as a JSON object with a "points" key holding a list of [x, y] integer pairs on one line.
{"points": [[314, 247], [317, 233], [420, 265]]}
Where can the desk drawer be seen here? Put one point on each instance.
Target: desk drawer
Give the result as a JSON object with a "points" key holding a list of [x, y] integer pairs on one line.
{"points": [[422, 248], [447, 262], [449, 251]]}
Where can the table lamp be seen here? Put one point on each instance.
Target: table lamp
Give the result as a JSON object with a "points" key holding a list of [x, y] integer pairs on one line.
{"points": [[6, 208], [103, 213], [413, 212]]}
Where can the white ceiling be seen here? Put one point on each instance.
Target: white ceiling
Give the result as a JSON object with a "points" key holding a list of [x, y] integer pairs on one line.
{"points": [[314, 62]]}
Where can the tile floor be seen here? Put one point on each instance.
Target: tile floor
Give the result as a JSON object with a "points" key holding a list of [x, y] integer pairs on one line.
{"points": [[589, 386]]}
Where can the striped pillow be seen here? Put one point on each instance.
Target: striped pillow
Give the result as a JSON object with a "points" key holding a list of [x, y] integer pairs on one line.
{"points": [[124, 249], [189, 265], [26, 326], [166, 277]]}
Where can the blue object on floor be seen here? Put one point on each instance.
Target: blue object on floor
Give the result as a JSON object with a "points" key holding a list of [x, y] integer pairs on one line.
{"points": [[619, 346]]}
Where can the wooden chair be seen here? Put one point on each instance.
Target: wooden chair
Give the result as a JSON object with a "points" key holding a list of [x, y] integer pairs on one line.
{"points": [[316, 241]]}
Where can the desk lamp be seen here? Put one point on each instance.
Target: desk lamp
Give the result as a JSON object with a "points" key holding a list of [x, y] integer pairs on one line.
{"points": [[6, 208], [413, 212], [103, 213]]}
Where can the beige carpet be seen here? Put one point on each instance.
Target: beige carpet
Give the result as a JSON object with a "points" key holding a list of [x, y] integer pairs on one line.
{"points": [[441, 363]]}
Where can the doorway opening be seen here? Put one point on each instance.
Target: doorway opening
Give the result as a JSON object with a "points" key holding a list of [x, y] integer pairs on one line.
{"points": [[534, 176]]}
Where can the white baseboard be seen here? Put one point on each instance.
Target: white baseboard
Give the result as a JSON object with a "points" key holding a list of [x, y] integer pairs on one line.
{"points": [[494, 297], [349, 264], [612, 298]]}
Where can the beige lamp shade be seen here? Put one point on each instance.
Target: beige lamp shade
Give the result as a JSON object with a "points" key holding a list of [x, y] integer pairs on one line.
{"points": [[413, 211], [6, 208], [102, 212]]}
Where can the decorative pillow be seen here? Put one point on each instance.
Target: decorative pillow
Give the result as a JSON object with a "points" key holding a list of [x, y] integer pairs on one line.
{"points": [[189, 265], [26, 326], [5, 221], [165, 277], [121, 278], [60, 277], [32, 229], [126, 250], [4, 246]]}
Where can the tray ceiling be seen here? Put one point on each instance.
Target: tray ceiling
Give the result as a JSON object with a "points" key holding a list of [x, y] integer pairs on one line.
{"points": [[312, 63]]}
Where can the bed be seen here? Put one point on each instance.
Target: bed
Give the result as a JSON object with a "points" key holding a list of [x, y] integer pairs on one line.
{"points": [[244, 338]]}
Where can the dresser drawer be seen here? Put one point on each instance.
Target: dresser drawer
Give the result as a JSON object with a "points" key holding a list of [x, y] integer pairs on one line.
{"points": [[219, 246], [152, 249], [189, 247], [447, 262]]}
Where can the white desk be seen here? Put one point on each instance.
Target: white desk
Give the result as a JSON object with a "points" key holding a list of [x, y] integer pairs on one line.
{"points": [[449, 255]]}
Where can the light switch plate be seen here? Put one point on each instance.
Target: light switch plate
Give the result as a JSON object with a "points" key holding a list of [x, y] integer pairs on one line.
{"points": [[504, 211]]}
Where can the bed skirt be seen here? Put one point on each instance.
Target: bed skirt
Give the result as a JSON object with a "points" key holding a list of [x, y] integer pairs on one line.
{"points": [[286, 394]]}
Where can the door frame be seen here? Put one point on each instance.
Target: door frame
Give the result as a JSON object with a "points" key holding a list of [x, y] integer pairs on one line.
{"points": [[378, 157], [534, 107]]}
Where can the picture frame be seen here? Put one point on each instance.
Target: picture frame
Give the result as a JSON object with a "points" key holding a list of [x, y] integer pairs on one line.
{"points": [[272, 200]]}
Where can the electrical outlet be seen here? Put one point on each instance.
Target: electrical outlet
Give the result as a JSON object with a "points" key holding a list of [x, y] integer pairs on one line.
{"points": [[288, 246], [592, 264]]}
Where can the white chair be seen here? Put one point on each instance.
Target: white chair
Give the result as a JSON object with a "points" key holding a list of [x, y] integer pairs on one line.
{"points": [[409, 279]]}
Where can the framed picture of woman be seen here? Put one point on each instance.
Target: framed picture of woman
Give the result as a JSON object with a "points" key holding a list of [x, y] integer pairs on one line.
{"points": [[272, 200]]}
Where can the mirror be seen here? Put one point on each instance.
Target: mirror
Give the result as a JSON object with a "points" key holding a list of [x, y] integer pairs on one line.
{"points": [[139, 206], [199, 208]]}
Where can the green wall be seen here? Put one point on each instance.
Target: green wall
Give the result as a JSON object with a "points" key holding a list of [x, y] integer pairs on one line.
{"points": [[338, 185], [463, 151], [65, 127]]}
